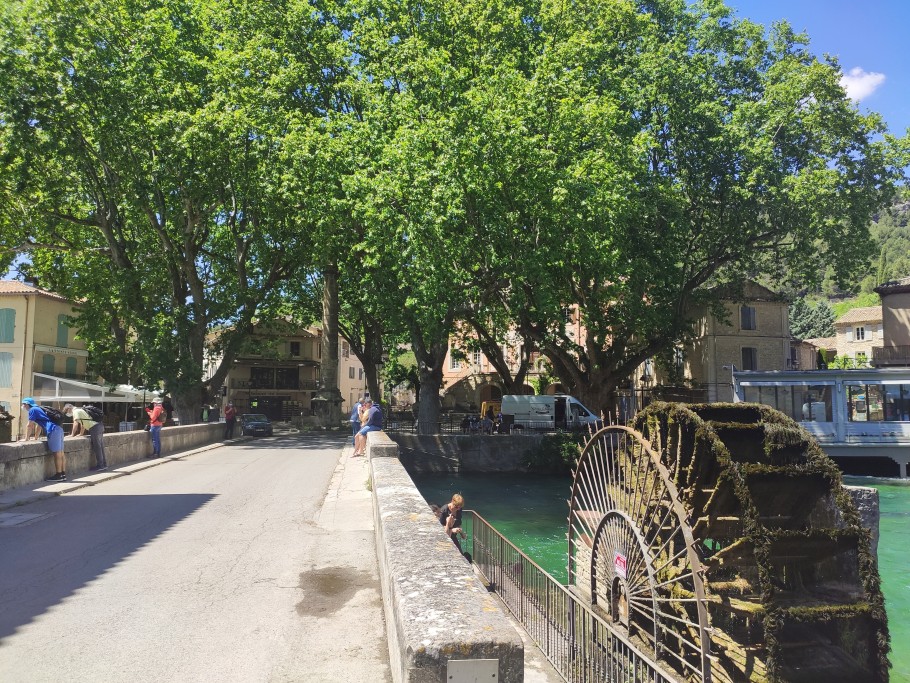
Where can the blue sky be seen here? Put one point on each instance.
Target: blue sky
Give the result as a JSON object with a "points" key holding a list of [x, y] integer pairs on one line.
{"points": [[869, 38]]}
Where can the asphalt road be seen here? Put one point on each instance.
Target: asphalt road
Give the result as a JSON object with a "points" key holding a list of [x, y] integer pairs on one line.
{"points": [[214, 567]]}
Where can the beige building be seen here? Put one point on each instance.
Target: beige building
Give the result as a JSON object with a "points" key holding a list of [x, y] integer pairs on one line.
{"points": [[895, 316], [279, 373], [37, 347], [858, 332], [755, 335]]}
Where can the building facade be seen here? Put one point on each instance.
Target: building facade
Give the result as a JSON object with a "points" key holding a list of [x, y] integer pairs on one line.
{"points": [[37, 346], [895, 313], [857, 333]]}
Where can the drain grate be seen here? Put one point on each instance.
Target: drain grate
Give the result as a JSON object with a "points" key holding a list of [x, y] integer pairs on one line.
{"points": [[10, 519]]}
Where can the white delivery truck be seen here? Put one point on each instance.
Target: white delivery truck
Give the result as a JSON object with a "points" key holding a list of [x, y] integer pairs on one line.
{"points": [[548, 412]]}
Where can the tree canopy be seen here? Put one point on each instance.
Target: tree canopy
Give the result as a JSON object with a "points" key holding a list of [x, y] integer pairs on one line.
{"points": [[508, 165], [145, 153]]}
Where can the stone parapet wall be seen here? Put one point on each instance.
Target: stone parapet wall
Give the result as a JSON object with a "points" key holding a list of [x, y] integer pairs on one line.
{"points": [[27, 462], [437, 611], [465, 452]]}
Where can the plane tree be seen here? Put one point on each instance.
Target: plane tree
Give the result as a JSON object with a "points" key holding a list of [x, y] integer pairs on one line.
{"points": [[143, 154], [662, 150]]}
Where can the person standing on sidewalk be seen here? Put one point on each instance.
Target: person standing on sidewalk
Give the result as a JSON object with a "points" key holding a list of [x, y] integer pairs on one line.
{"points": [[355, 419], [84, 424], [230, 419], [38, 418], [157, 416]]}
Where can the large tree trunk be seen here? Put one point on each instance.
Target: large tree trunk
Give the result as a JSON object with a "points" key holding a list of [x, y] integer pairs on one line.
{"points": [[430, 358], [328, 399]]}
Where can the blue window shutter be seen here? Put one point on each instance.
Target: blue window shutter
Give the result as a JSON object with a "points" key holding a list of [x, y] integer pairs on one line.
{"points": [[47, 364], [7, 325], [71, 366], [6, 370]]}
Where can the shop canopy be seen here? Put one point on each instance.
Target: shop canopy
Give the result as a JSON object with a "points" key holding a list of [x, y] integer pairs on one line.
{"points": [[50, 389]]}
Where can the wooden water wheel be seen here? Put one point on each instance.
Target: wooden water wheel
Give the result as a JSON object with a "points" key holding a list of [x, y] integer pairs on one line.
{"points": [[720, 540]]}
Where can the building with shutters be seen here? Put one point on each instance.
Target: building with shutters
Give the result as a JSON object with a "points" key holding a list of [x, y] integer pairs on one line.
{"points": [[37, 346]]}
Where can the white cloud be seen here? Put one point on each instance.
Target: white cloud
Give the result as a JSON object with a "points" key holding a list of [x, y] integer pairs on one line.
{"points": [[859, 84]]}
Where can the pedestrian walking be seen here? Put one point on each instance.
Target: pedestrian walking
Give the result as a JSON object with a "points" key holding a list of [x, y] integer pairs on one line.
{"points": [[157, 416], [230, 419], [84, 424], [37, 418], [355, 420], [371, 419]]}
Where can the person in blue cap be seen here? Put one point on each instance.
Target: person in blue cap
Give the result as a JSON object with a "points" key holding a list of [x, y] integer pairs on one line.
{"points": [[38, 418]]}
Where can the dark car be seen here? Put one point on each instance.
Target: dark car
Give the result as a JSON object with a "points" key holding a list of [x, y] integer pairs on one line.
{"points": [[255, 424]]}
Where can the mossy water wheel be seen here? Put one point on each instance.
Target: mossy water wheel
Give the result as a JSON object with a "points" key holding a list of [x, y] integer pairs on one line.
{"points": [[720, 540]]}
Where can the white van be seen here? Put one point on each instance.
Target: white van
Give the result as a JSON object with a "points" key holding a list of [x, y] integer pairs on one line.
{"points": [[548, 412]]}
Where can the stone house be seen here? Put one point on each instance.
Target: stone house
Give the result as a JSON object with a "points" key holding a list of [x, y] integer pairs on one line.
{"points": [[858, 332]]}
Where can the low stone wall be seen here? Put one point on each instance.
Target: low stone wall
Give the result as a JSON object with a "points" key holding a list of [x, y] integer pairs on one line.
{"points": [[437, 611], [27, 462], [465, 452]]}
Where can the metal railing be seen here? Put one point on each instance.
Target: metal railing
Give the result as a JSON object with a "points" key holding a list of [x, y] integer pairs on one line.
{"points": [[581, 645], [891, 355]]}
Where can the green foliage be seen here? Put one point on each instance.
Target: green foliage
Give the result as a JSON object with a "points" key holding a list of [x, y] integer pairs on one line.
{"points": [[810, 321], [555, 454], [859, 301], [150, 157]]}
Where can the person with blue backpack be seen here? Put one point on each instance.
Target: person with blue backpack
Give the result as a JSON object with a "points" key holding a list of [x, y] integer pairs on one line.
{"points": [[38, 418]]}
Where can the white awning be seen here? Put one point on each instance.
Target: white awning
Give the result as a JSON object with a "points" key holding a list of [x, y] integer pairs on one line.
{"points": [[47, 389]]}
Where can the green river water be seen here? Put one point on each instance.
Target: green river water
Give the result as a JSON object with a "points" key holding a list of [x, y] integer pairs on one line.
{"points": [[531, 512]]}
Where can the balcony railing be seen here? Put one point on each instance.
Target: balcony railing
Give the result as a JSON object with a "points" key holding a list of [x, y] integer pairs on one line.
{"points": [[890, 355], [279, 385]]}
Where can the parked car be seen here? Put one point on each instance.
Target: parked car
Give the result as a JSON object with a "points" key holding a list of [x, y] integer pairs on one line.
{"points": [[255, 424]]}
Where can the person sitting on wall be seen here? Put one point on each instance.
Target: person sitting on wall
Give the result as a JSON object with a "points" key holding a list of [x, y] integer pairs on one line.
{"points": [[450, 518], [372, 422]]}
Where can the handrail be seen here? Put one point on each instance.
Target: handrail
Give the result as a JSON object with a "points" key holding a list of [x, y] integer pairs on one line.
{"points": [[581, 645]]}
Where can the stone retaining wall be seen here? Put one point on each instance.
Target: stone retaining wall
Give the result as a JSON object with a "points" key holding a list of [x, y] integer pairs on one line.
{"points": [[465, 452], [27, 462], [437, 611]]}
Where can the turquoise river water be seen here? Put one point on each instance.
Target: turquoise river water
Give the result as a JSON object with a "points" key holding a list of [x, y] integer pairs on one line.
{"points": [[531, 512]]}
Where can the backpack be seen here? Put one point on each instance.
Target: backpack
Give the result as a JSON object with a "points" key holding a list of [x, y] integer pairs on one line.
{"points": [[54, 415], [94, 412]]}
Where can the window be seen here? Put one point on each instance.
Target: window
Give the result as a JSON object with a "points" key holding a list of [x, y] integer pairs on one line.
{"points": [[747, 318], [866, 403], [859, 334], [360, 374], [345, 350], [7, 325], [350, 373], [6, 370], [567, 315], [295, 349], [63, 330], [71, 367], [475, 359], [47, 364], [262, 378], [454, 361], [287, 378], [750, 358]]}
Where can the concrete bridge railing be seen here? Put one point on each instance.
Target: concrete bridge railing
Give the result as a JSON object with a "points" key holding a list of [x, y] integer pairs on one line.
{"points": [[442, 623], [23, 463]]}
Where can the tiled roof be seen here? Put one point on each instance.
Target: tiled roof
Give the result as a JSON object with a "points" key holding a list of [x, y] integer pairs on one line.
{"points": [[865, 314], [894, 286], [16, 287], [823, 342]]}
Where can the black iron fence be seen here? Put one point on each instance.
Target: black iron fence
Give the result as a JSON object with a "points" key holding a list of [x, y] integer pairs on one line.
{"points": [[581, 645]]}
